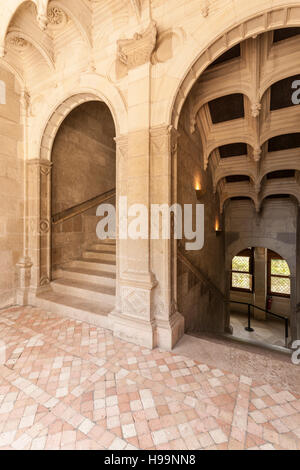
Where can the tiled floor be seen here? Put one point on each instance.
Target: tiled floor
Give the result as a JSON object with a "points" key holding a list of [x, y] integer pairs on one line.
{"points": [[270, 331], [69, 385]]}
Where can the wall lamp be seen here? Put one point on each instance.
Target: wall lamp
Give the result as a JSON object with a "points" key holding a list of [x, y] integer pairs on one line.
{"points": [[199, 191], [218, 228]]}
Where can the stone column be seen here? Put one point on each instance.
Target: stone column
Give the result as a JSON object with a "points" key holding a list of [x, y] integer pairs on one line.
{"points": [[135, 319], [121, 191], [39, 222], [260, 288], [146, 312], [163, 191]]}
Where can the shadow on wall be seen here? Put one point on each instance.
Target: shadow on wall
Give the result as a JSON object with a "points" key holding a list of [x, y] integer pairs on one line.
{"points": [[203, 311]]}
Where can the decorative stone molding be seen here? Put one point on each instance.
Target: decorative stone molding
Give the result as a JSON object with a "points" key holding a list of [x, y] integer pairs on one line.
{"points": [[255, 109], [138, 51], [44, 226]]}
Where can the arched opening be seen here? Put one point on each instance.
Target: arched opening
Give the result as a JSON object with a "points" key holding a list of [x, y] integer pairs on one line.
{"points": [[238, 140], [81, 267], [83, 167], [262, 278]]}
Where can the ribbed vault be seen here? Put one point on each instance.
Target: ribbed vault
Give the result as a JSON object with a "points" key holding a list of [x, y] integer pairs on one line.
{"points": [[244, 110]]}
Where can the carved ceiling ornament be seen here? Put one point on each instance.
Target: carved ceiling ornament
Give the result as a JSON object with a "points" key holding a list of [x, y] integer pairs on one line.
{"points": [[56, 17], [18, 43], [138, 51]]}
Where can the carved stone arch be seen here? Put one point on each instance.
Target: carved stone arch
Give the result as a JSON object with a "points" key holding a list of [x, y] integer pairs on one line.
{"points": [[8, 10], [259, 242], [295, 193], [229, 90], [227, 197], [46, 54], [230, 140], [282, 167], [290, 72], [234, 172], [43, 164], [46, 124], [267, 19], [14, 71]]}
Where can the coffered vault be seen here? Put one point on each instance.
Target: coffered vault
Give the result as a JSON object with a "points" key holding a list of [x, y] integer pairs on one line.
{"points": [[242, 107]]}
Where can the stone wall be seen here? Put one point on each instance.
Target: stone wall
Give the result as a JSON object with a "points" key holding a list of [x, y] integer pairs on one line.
{"points": [[84, 166], [202, 309], [11, 190]]}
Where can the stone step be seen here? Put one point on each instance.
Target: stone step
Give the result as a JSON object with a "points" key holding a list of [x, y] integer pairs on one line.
{"points": [[104, 295], [90, 276], [93, 264], [100, 255], [103, 247], [108, 242], [75, 307]]}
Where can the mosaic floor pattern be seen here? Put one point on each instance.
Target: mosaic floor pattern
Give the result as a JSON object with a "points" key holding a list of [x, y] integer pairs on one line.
{"points": [[70, 385]]}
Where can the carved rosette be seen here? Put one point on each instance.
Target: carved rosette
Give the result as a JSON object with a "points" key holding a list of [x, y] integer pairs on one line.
{"points": [[18, 43], [138, 51], [57, 18]]}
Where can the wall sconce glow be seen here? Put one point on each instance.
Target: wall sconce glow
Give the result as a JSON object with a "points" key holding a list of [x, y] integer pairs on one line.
{"points": [[218, 228], [2, 92], [199, 191]]}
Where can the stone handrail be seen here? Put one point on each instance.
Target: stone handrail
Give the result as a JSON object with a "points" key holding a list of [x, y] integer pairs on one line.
{"points": [[82, 207]]}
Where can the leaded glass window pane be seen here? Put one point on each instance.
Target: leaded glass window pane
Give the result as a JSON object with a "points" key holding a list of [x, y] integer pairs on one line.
{"points": [[242, 281], [279, 267], [241, 264], [281, 285]]}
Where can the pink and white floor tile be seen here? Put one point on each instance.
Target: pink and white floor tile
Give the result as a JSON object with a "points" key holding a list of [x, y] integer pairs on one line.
{"points": [[70, 385]]}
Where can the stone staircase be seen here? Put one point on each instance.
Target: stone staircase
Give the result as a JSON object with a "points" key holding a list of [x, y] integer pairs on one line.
{"points": [[84, 289]]}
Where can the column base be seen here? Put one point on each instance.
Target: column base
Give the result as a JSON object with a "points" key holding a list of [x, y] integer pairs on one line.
{"points": [[24, 276], [135, 331], [162, 334]]}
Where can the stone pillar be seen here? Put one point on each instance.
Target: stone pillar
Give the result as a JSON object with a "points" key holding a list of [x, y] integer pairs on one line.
{"points": [[135, 320], [24, 278], [260, 288], [163, 190], [39, 222], [142, 315], [121, 191]]}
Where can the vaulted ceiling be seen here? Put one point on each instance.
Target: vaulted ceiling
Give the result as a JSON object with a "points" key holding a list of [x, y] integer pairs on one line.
{"points": [[34, 34], [249, 126]]}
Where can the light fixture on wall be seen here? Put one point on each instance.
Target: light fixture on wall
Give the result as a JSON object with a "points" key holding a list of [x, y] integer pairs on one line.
{"points": [[218, 228], [199, 191]]}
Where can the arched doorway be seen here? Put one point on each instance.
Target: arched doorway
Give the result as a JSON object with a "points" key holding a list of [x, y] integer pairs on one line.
{"points": [[83, 167], [260, 296], [76, 270], [237, 133]]}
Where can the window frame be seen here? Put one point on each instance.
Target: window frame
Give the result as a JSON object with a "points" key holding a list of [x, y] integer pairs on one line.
{"points": [[248, 253], [272, 255]]}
